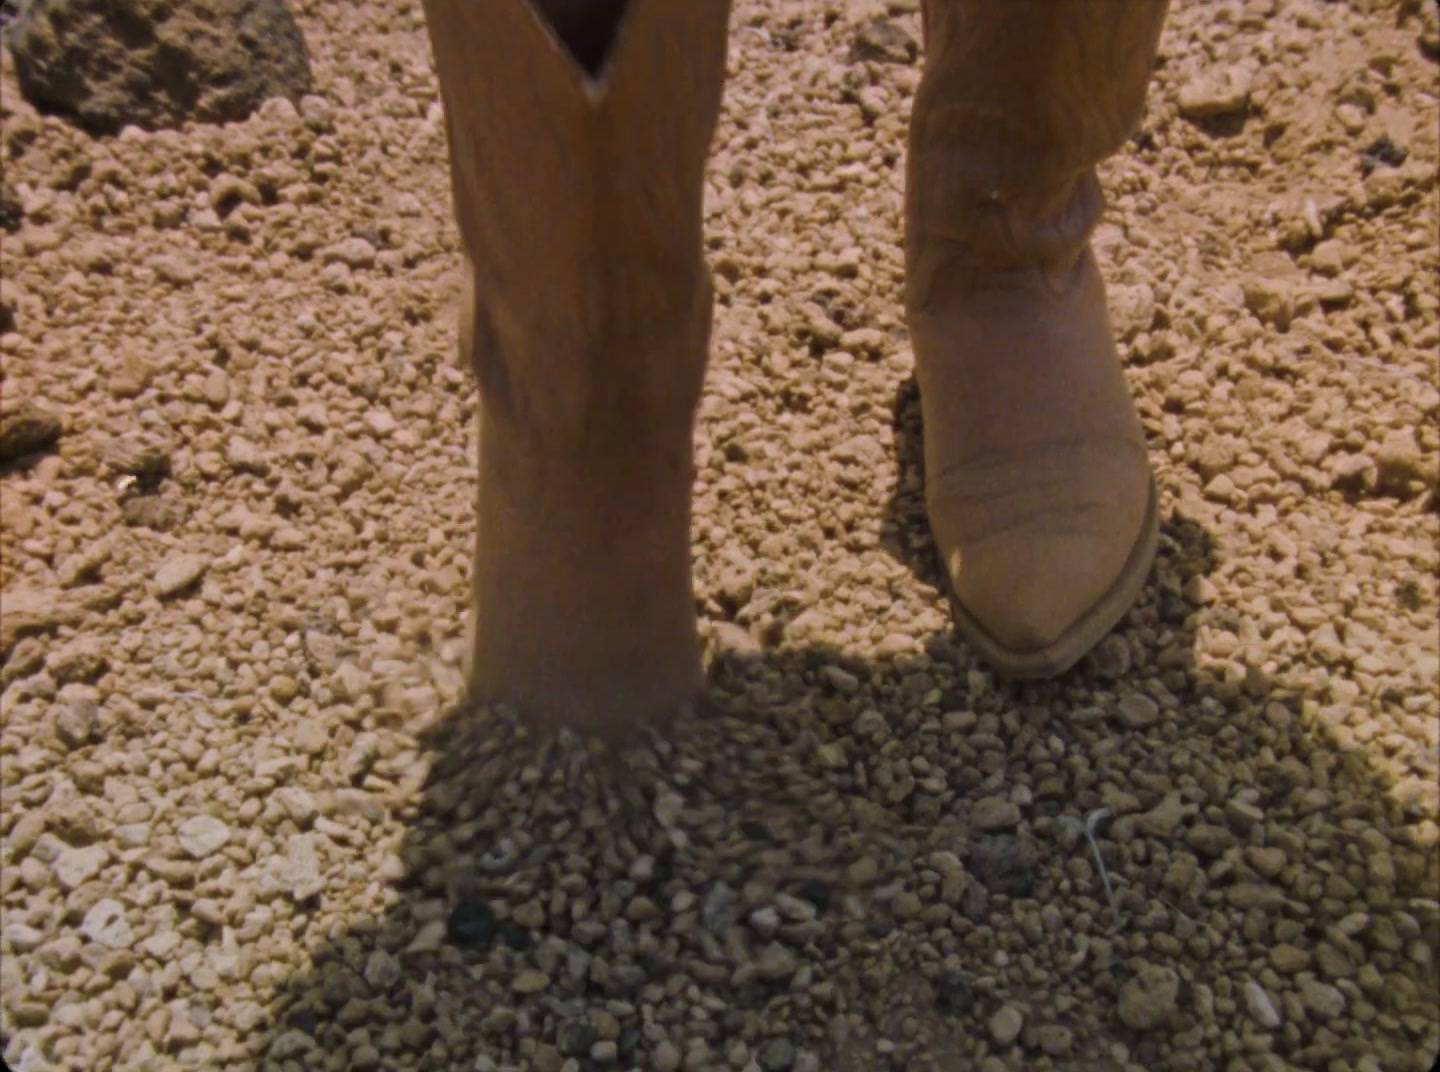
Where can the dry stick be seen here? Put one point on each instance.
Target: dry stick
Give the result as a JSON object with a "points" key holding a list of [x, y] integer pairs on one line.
{"points": [[1376, 366], [1091, 822]]}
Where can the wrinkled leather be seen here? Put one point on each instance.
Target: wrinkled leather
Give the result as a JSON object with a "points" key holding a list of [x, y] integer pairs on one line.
{"points": [[587, 319], [1037, 479]]}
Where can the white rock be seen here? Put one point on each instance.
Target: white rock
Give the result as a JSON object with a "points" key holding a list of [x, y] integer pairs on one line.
{"points": [[731, 639], [75, 867], [299, 805], [1260, 1006], [105, 924], [353, 252], [1132, 308], [179, 574], [350, 682], [1005, 1025], [202, 835], [161, 944], [1216, 91], [382, 971], [22, 938], [380, 422], [131, 835], [302, 867]]}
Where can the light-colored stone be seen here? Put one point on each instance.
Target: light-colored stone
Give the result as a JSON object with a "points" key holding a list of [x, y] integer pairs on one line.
{"points": [[178, 574], [1148, 1000], [203, 835], [105, 924]]}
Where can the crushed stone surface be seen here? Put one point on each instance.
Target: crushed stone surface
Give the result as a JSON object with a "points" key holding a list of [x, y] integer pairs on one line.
{"points": [[245, 826]]}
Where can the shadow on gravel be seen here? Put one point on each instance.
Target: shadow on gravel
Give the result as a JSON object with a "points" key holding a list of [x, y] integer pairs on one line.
{"points": [[803, 866]]}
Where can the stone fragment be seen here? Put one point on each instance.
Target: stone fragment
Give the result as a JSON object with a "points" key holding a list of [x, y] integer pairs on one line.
{"points": [[775, 963], [1216, 91], [77, 723], [776, 1055], [178, 574], [1005, 1025], [105, 924], [1137, 711], [75, 867], [992, 815], [1148, 999], [202, 835], [530, 981], [1005, 864], [153, 63], [1261, 1007], [382, 971], [883, 40], [302, 867], [26, 428], [1321, 1000]]}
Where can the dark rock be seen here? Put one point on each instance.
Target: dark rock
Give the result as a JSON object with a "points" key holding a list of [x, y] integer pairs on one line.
{"points": [[1005, 864], [953, 996], [516, 937], [12, 213], [154, 63], [575, 1038], [817, 891], [777, 1055], [883, 41], [1382, 152], [158, 512], [26, 428], [472, 924], [145, 458]]}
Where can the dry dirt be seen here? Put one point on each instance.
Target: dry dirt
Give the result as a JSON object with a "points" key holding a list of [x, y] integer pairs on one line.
{"points": [[246, 828]]}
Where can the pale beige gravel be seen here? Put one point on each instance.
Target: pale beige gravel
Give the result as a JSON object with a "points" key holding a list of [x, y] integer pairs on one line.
{"points": [[234, 597]]}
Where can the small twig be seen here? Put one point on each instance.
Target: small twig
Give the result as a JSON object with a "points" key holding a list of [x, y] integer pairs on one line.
{"points": [[1091, 822], [1177, 911], [1376, 366]]}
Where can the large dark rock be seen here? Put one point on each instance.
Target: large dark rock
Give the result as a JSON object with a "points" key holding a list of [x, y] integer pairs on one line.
{"points": [[155, 63]]}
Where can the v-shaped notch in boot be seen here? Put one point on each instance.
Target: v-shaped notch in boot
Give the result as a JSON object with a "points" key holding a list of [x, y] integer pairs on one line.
{"points": [[586, 29]]}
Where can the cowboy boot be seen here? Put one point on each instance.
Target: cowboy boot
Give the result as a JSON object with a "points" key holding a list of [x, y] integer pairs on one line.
{"points": [[577, 165], [1038, 487]]}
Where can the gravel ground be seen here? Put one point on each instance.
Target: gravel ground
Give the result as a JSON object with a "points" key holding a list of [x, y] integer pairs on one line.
{"points": [[246, 826]]}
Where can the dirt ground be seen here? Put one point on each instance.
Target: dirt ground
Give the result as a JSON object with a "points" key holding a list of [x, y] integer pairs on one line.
{"points": [[245, 826]]}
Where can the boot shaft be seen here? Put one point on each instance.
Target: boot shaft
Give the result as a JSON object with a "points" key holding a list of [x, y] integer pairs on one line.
{"points": [[579, 202], [552, 164], [1018, 103], [1019, 94]]}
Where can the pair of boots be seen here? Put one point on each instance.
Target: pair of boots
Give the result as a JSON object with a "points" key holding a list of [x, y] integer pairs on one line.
{"points": [[579, 131]]}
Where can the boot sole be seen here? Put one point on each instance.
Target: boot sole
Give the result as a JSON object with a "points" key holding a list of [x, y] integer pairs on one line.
{"points": [[1091, 628]]}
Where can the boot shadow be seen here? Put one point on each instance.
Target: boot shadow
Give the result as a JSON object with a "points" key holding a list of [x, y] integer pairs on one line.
{"points": [[905, 528], [788, 785]]}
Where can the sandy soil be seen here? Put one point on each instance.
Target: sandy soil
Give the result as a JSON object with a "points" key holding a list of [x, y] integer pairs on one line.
{"points": [[245, 826]]}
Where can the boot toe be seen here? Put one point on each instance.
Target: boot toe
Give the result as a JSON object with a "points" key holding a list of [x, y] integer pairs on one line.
{"points": [[1037, 587], [1028, 592]]}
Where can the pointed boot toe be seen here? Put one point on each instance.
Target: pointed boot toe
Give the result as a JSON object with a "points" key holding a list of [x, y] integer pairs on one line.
{"points": [[1041, 571]]}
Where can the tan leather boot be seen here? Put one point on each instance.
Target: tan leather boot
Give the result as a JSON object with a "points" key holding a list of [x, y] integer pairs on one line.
{"points": [[1039, 491], [578, 197]]}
